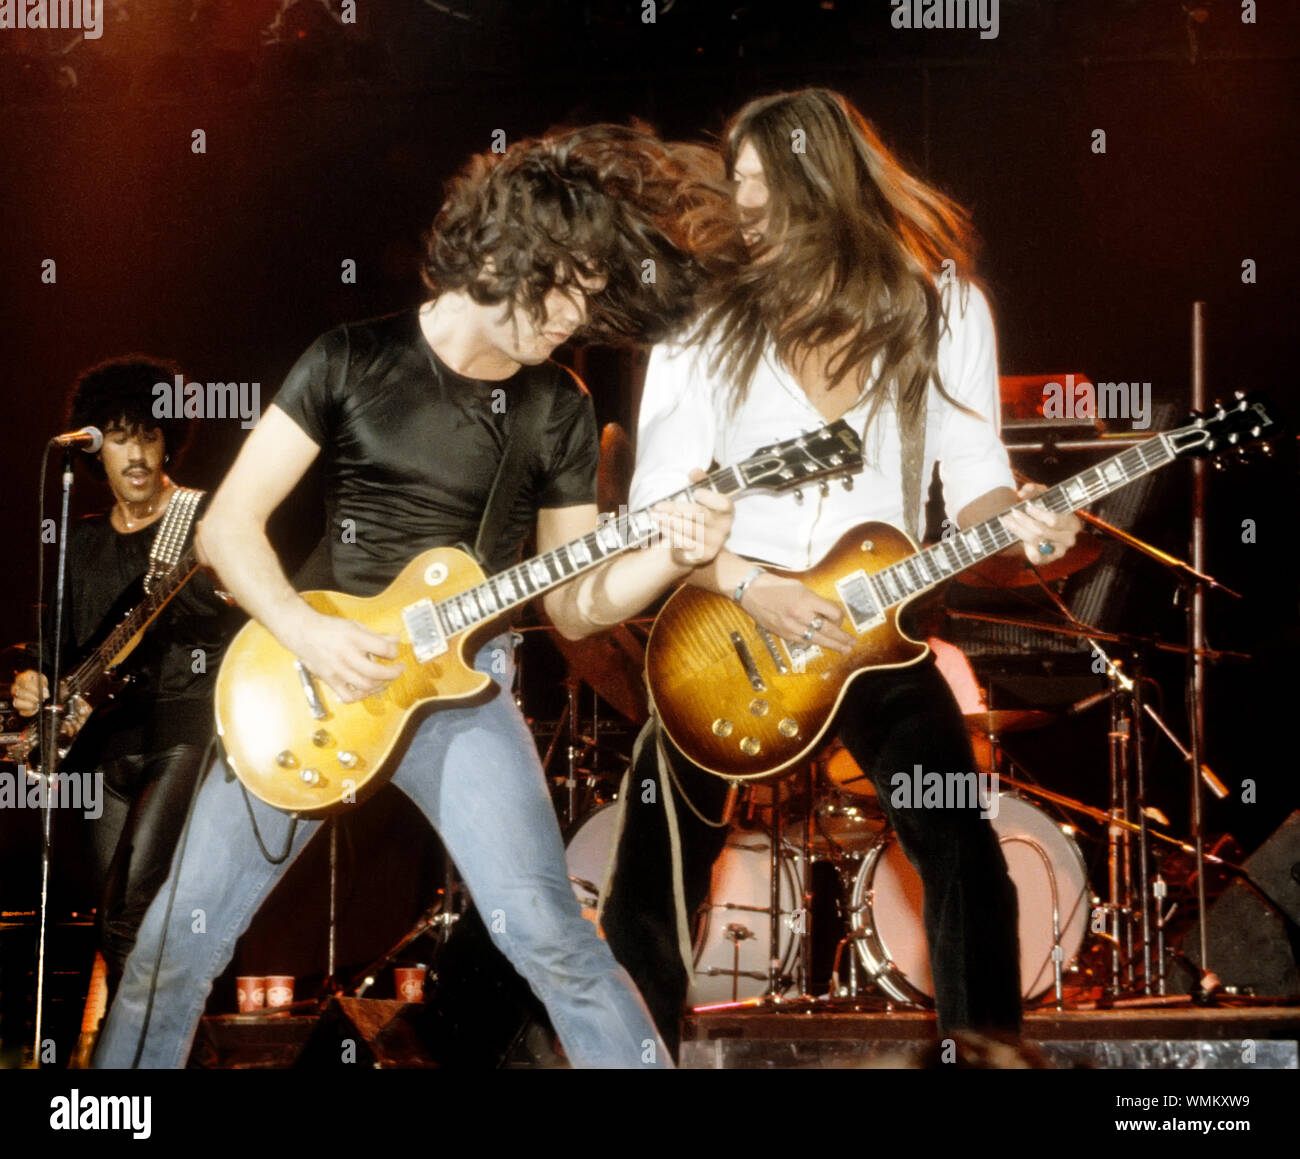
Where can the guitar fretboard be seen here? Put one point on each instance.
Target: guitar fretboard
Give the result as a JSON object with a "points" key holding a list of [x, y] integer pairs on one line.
{"points": [[101, 659], [525, 581], [954, 553]]}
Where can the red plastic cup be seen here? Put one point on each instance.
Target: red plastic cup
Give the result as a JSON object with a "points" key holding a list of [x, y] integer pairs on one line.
{"points": [[408, 982], [250, 993], [279, 990]]}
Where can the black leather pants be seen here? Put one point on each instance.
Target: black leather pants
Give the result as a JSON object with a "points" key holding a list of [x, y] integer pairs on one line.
{"points": [[145, 801], [889, 722]]}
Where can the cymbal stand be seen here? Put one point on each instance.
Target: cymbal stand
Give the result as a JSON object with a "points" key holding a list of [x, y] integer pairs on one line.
{"points": [[774, 979], [804, 912], [440, 917]]}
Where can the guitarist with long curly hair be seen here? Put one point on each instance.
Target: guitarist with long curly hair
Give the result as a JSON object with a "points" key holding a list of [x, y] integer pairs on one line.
{"points": [[411, 416]]}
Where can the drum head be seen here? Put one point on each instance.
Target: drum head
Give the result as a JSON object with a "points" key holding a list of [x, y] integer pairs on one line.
{"points": [[1049, 875], [590, 846]]}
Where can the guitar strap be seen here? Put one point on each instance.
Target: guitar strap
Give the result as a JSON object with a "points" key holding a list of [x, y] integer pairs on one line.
{"points": [[173, 530], [524, 421], [912, 455]]}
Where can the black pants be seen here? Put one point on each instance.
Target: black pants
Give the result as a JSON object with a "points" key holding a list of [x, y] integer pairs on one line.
{"points": [[145, 801], [889, 722]]}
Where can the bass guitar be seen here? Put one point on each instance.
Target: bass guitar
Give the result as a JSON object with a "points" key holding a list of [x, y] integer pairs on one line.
{"points": [[99, 677], [745, 704], [297, 747]]}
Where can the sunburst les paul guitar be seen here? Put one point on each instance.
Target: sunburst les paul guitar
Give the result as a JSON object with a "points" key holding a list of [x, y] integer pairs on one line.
{"points": [[297, 747], [745, 704]]}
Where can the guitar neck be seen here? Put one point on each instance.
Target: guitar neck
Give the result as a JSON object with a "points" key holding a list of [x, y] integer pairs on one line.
{"points": [[103, 657], [955, 553], [534, 577]]}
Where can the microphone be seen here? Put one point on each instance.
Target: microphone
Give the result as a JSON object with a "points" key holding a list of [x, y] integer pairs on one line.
{"points": [[89, 439]]}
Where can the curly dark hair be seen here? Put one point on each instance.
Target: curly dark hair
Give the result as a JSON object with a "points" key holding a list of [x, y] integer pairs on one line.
{"points": [[654, 218], [120, 393]]}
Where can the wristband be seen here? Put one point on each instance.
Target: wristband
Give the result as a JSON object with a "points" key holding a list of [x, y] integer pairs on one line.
{"points": [[743, 586]]}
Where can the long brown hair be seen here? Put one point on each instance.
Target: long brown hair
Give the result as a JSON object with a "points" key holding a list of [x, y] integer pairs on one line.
{"points": [[853, 245]]}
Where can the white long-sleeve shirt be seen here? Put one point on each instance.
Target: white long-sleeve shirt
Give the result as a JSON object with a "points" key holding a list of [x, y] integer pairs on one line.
{"points": [[684, 424]]}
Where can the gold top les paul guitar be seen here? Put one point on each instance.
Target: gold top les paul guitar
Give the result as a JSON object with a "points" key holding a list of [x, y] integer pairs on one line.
{"points": [[297, 747], [745, 704]]}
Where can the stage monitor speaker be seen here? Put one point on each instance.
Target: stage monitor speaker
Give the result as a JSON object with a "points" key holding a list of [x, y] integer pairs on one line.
{"points": [[1275, 867], [372, 1033], [1253, 929]]}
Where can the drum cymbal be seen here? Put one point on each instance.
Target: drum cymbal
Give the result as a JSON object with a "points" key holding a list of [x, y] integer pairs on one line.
{"points": [[1008, 571], [987, 724]]}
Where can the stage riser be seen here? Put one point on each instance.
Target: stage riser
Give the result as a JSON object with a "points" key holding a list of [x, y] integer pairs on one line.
{"points": [[1113, 1054]]}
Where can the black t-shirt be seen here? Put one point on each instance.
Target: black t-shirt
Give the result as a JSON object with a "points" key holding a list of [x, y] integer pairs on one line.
{"points": [[169, 699], [411, 449]]}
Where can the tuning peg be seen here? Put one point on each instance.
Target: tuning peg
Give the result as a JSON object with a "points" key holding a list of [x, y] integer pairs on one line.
{"points": [[798, 494], [1239, 394], [1232, 438], [1266, 449], [824, 487], [847, 482]]}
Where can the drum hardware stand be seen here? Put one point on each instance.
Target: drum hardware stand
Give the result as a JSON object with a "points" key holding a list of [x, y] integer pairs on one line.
{"points": [[1058, 952], [775, 983], [1128, 709], [735, 934], [440, 917]]}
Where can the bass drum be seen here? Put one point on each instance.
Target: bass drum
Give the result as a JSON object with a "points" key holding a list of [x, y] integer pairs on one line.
{"points": [[1046, 868], [587, 852], [732, 930], [733, 940]]}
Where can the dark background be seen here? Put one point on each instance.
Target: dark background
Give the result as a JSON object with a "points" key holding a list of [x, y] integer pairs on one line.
{"points": [[328, 142]]}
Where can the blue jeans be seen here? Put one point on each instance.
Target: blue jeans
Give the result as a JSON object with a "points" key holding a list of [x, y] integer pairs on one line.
{"points": [[475, 775]]}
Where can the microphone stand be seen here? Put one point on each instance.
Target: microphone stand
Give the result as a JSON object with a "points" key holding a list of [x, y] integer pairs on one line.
{"points": [[51, 725]]}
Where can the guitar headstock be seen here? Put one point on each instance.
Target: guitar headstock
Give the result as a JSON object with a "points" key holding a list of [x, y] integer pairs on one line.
{"points": [[1227, 430], [833, 450]]}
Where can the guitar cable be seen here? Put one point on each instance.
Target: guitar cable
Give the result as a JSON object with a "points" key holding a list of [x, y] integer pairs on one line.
{"points": [[210, 764]]}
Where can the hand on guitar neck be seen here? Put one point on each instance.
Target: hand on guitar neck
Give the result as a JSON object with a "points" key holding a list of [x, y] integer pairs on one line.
{"points": [[26, 701]]}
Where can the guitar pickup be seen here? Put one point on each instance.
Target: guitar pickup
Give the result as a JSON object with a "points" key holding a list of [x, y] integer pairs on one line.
{"points": [[859, 602], [309, 692], [747, 662], [422, 627]]}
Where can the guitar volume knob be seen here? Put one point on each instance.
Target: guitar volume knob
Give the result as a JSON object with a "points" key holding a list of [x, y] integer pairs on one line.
{"points": [[310, 776], [285, 759], [347, 758]]}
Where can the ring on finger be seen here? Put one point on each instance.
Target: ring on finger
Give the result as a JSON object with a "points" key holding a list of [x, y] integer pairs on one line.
{"points": [[815, 624], [808, 635], [1046, 547]]}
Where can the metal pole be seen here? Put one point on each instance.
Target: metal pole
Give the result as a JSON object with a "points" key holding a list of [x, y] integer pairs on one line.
{"points": [[1196, 709]]}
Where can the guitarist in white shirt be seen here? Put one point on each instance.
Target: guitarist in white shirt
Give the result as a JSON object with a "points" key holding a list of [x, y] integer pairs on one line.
{"points": [[857, 303]]}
